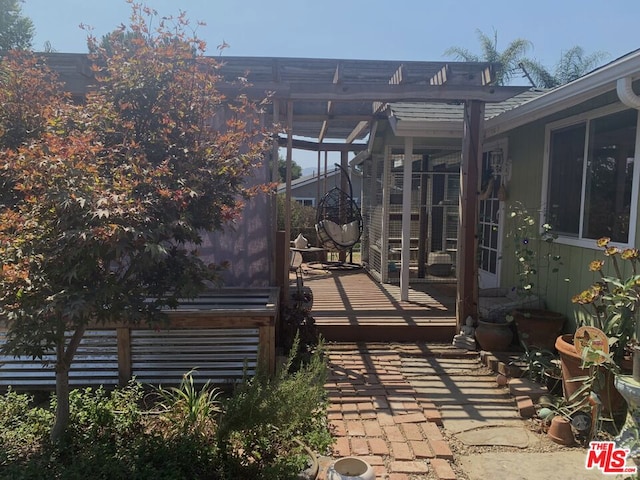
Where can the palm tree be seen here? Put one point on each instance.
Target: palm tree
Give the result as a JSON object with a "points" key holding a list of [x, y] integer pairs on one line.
{"points": [[573, 64], [508, 60]]}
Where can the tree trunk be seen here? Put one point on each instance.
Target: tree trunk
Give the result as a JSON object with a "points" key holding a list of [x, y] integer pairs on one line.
{"points": [[62, 398], [64, 357]]}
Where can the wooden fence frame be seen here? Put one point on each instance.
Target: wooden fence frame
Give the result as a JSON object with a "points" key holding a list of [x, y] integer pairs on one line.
{"points": [[227, 308]]}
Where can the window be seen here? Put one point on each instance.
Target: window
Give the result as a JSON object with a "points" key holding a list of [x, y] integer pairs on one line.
{"points": [[307, 202], [591, 176]]}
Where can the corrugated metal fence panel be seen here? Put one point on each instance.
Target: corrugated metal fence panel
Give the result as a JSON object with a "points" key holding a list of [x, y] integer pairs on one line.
{"points": [[218, 355], [95, 363]]}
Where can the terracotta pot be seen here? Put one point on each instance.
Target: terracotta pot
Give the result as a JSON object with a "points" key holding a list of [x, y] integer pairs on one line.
{"points": [[560, 431], [494, 336], [538, 327], [612, 402]]}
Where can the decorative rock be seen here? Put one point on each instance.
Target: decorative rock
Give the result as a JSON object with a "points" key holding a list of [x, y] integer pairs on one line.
{"points": [[502, 380], [544, 413]]}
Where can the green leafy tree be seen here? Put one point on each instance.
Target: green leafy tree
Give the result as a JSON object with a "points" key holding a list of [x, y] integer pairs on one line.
{"points": [[16, 31], [109, 200], [296, 170], [573, 64], [507, 59]]}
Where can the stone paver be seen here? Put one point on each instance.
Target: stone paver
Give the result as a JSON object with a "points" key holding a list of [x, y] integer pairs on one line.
{"points": [[459, 418], [396, 406], [519, 437], [563, 465]]}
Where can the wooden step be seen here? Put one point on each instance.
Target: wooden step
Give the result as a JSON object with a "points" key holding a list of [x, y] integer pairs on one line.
{"points": [[381, 333]]}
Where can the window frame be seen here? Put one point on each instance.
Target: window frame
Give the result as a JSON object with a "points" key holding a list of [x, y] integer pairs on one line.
{"points": [[586, 118], [302, 200]]}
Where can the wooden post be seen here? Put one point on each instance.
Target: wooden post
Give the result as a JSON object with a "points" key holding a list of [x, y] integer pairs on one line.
{"points": [[406, 219], [275, 157], [123, 335], [422, 219], [324, 180], [344, 186], [267, 348], [318, 179], [386, 201], [467, 264], [287, 200], [282, 263]]}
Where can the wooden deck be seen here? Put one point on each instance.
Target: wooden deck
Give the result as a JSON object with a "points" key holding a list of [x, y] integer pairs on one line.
{"points": [[351, 306]]}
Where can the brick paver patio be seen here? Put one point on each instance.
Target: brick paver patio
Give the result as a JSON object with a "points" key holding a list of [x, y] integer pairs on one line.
{"points": [[376, 414]]}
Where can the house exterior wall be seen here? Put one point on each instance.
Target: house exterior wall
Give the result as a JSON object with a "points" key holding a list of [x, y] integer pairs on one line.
{"points": [[310, 190], [526, 151]]}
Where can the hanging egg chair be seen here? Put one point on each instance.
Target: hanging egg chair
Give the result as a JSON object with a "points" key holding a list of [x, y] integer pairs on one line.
{"points": [[338, 219]]}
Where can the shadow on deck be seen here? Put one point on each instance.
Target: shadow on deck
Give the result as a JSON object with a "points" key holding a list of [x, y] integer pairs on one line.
{"points": [[352, 306]]}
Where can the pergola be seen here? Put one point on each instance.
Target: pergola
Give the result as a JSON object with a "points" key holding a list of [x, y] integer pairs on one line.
{"points": [[337, 103], [342, 99]]}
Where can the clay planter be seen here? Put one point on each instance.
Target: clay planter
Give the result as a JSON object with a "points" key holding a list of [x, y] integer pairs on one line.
{"points": [[612, 402], [560, 431], [538, 327], [494, 336]]}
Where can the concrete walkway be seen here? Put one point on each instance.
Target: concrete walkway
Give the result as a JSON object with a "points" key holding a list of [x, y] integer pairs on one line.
{"points": [[434, 412]]}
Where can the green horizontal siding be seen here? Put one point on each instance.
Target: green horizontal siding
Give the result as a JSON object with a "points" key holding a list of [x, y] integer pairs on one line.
{"points": [[526, 151]]}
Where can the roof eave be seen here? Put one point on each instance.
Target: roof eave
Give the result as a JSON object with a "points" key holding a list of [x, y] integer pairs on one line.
{"points": [[426, 128], [591, 85]]}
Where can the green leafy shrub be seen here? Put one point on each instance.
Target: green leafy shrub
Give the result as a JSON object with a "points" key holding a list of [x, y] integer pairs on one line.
{"points": [[303, 218], [264, 417], [189, 433], [23, 427]]}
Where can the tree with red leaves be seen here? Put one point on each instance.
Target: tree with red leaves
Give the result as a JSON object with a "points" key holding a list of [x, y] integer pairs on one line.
{"points": [[103, 204]]}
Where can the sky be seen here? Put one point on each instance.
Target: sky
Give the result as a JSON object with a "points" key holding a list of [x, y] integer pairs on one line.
{"points": [[360, 29]]}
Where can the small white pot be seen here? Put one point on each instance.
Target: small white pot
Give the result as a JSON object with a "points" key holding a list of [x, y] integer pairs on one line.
{"points": [[350, 468]]}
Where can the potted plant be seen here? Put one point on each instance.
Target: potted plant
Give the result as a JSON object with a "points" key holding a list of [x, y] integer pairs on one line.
{"points": [[535, 256], [564, 416], [494, 334], [541, 366], [609, 305]]}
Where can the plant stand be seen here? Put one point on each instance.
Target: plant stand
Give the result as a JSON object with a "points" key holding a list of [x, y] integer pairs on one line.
{"points": [[629, 436]]}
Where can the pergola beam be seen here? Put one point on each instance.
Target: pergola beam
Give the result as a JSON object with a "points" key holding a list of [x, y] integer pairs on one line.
{"points": [[441, 77], [359, 92], [356, 132], [337, 76], [324, 147], [396, 79]]}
